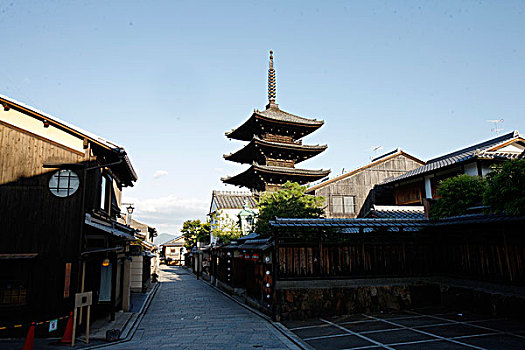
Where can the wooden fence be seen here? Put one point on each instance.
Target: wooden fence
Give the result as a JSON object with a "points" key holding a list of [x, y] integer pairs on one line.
{"points": [[492, 253]]}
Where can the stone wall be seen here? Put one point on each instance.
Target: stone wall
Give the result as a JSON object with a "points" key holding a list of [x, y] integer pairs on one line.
{"points": [[304, 303], [323, 298]]}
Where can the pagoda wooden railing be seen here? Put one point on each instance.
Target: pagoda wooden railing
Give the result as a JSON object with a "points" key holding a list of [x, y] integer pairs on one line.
{"points": [[280, 163], [281, 138]]}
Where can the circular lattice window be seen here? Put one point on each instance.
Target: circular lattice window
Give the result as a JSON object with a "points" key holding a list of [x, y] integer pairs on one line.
{"points": [[64, 183]]}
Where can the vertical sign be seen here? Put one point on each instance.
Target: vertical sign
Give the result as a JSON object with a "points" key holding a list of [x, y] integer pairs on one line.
{"points": [[53, 325], [67, 280]]}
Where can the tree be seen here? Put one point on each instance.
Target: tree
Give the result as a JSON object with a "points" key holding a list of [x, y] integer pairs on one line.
{"points": [[457, 194], [289, 202], [506, 188], [224, 227], [194, 231]]}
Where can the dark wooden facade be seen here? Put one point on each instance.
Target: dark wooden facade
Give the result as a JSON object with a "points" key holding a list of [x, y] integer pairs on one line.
{"points": [[328, 254], [49, 250], [489, 249]]}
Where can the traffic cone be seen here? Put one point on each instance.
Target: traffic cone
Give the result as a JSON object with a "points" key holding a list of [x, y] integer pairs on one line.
{"points": [[30, 339], [68, 333]]}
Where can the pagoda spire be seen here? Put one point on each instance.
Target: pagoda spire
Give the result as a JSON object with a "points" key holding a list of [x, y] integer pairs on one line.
{"points": [[271, 84]]}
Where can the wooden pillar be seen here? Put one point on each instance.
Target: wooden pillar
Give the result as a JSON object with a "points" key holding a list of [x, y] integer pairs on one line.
{"points": [[126, 286]]}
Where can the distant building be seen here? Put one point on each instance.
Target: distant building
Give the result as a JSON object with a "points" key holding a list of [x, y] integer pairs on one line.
{"points": [[143, 253], [60, 198], [412, 187], [174, 250], [351, 194], [226, 206], [274, 146]]}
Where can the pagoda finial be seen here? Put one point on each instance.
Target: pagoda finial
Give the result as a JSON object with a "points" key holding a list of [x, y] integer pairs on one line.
{"points": [[271, 84]]}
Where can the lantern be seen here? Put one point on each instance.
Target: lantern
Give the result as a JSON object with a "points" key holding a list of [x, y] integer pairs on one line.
{"points": [[255, 257]]}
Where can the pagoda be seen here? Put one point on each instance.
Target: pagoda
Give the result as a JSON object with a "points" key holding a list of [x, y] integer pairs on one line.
{"points": [[274, 146]]}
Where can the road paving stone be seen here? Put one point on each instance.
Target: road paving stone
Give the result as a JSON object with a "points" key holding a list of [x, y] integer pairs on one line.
{"points": [[413, 329], [188, 314]]}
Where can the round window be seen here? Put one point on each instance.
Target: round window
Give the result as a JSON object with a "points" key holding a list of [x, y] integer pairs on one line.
{"points": [[64, 183]]}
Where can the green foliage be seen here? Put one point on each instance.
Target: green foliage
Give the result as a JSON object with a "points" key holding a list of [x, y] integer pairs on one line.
{"points": [[194, 231], [506, 188], [457, 194], [289, 202], [225, 228]]}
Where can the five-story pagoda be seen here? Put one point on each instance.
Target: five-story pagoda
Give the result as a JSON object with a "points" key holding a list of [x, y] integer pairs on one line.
{"points": [[274, 146]]}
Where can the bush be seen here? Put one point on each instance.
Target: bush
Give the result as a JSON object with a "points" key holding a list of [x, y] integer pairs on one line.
{"points": [[457, 195], [289, 202], [506, 188]]}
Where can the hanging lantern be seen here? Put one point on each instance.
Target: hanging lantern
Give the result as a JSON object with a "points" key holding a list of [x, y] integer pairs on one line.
{"points": [[105, 262], [241, 255], [255, 257], [247, 256]]}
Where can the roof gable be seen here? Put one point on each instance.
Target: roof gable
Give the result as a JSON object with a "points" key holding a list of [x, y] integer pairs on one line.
{"points": [[375, 162], [487, 149], [175, 241], [76, 132]]}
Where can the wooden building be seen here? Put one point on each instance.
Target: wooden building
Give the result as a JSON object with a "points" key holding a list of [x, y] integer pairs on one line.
{"points": [[412, 187], [351, 194], [60, 190], [274, 147]]}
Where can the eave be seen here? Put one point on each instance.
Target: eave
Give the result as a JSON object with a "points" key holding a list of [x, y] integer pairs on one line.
{"points": [[256, 176], [251, 153], [252, 126]]}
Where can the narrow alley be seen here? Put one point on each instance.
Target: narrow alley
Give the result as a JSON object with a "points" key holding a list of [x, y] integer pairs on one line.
{"points": [[186, 313]]}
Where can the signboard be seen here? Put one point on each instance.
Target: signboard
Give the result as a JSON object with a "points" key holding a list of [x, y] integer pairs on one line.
{"points": [[67, 280], [83, 299], [53, 325]]}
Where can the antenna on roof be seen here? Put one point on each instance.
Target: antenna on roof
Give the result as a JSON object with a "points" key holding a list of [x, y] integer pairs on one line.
{"points": [[496, 122], [375, 149], [271, 84]]}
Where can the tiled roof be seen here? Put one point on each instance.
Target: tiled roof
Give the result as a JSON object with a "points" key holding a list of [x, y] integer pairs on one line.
{"points": [[396, 212], [348, 223], [351, 225], [233, 199], [477, 150], [277, 114]]}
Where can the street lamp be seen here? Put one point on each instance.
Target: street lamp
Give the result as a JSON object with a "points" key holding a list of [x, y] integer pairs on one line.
{"points": [[129, 210]]}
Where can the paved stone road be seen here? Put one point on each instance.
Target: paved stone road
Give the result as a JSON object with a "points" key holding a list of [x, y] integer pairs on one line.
{"points": [[188, 314]]}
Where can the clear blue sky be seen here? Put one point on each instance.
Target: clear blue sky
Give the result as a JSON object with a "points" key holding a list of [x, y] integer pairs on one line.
{"points": [[166, 79]]}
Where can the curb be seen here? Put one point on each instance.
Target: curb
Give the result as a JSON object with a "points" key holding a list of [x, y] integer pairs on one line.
{"points": [[291, 337], [131, 327]]}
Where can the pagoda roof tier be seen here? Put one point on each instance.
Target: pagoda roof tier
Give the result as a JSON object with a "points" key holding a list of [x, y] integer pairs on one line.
{"points": [[262, 121], [258, 149], [257, 176]]}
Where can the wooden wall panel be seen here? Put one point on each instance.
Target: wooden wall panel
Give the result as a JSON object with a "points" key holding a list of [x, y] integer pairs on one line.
{"points": [[22, 154]]}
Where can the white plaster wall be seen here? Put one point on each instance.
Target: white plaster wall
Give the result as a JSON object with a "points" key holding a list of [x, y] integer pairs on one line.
{"points": [[471, 169]]}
